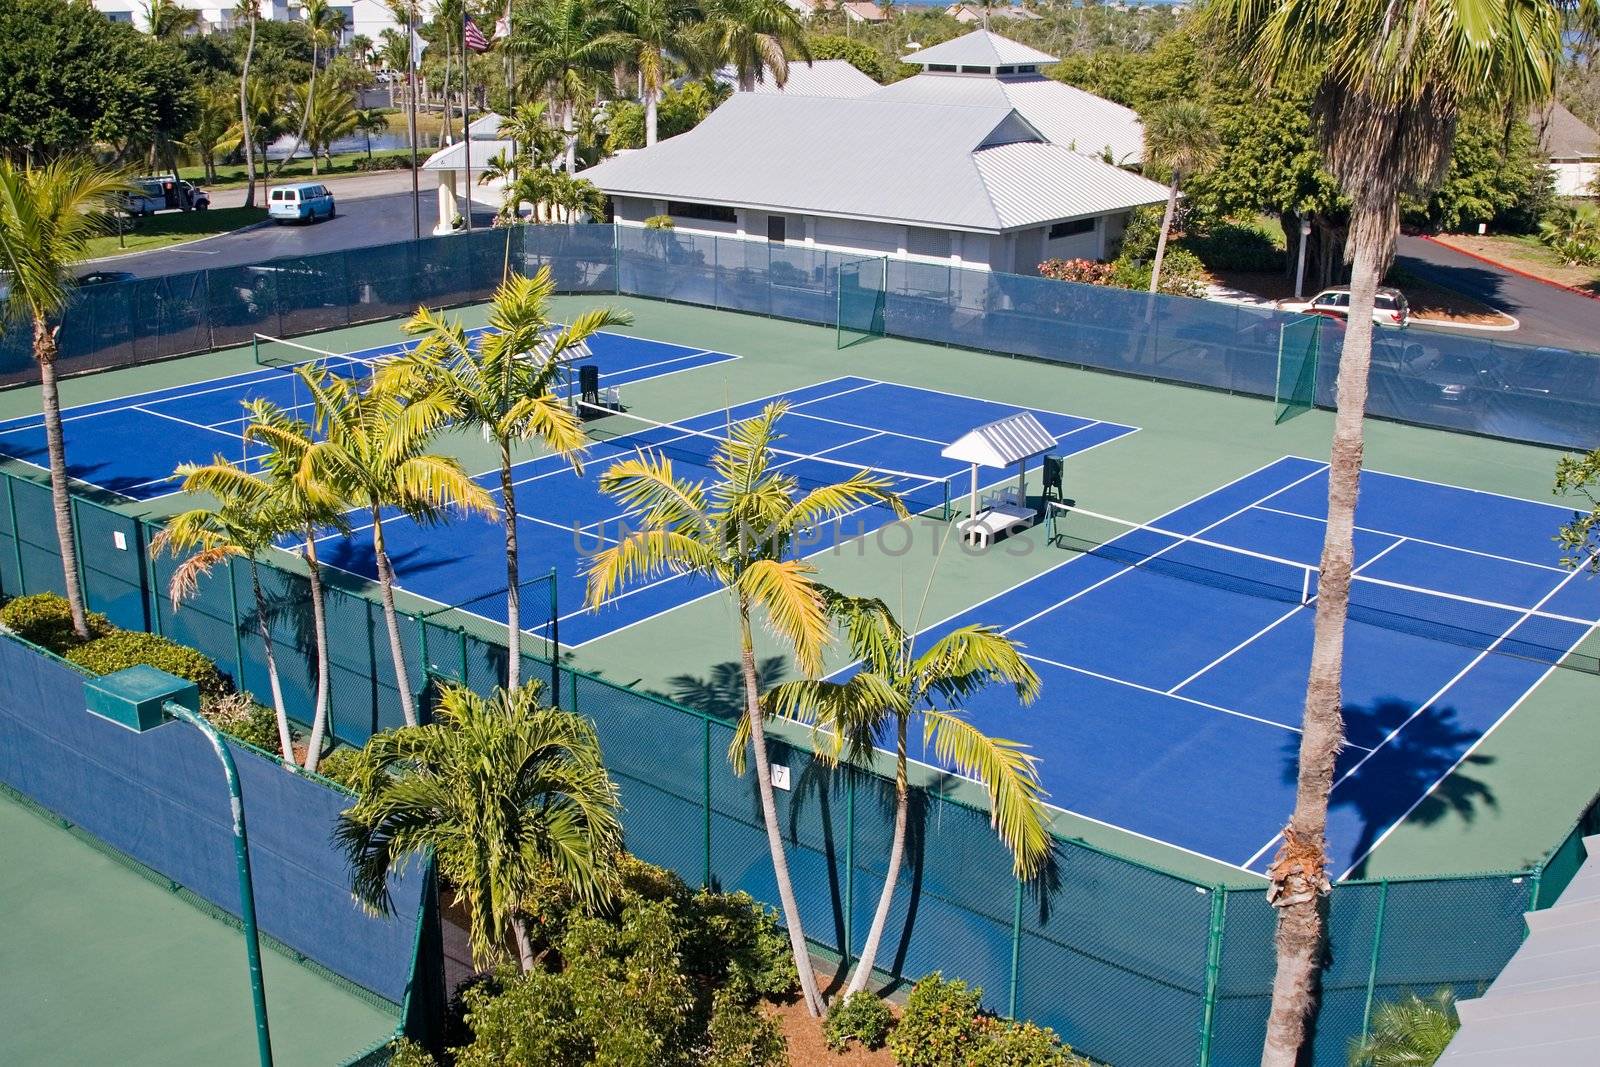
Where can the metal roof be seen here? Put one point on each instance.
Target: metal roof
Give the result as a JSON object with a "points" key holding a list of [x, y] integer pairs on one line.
{"points": [[1002, 442], [819, 77], [454, 156], [980, 48], [1544, 1008], [974, 168], [1063, 114]]}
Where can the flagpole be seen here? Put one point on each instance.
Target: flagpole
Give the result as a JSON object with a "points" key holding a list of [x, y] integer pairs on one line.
{"points": [[466, 109], [411, 111]]}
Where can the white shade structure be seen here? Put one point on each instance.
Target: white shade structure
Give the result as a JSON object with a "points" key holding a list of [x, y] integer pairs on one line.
{"points": [[1013, 439]]}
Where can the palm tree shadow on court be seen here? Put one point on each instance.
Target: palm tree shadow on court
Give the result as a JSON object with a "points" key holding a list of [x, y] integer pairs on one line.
{"points": [[1418, 762]]}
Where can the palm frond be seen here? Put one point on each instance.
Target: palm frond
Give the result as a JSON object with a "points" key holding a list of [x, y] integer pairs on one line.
{"points": [[1010, 775]]}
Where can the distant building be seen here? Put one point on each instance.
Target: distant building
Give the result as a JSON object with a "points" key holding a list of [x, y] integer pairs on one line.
{"points": [[860, 11], [971, 14], [1572, 148], [979, 162], [366, 17]]}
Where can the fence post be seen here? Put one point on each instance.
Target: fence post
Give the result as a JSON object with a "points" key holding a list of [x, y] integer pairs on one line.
{"points": [[1536, 878], [705, 787], [153, 592], [849, 864], [1372, 963], [555, 642], [1016, 949], [574, 676], [16, 539], [1219, 917], [461, 643]]}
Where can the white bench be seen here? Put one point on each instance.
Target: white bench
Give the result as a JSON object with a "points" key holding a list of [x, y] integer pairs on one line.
{"points": [[1003, 512]]}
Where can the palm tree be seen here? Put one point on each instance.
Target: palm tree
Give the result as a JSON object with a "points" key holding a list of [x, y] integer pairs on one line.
{"points": [[370, 120], [213, 122], [323, 26], [1392, 79], [568, 46], [1180, 136], [654, 29], [754, 36], [330, 114], [48, 216], [501, 790], [245, 521], [249, 10], [263, 119], [360, 48], [528, 128], [895, 685], [534, 185], [503, 385], [167, 21], [395, 51], [1411, 1032], [310, 509], [372, 453], [739, 533], [571, 197]]}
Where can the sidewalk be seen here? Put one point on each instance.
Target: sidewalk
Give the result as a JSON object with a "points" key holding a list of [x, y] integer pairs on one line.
{"points": [[344, 186]]}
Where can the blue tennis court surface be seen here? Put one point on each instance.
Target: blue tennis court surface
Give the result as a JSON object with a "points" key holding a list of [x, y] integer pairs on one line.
{"points": [[1174, 672], [835, 428], [131, 445]]}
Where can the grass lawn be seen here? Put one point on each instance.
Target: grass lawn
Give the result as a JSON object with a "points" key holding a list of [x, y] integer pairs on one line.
{"points": [[175, 227], [1527, 253], [230, 177]]}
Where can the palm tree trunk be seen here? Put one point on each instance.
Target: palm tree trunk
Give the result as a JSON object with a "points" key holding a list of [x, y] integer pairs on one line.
{"points": [[244, 120], [402, 679], [769, 815], [1166, 226], [1298, 876], [652, 99], [285, 738], [569, 108], [45, 352], [305, 118], [319, 625], [897, 846], [519, 930], [513, 596]]}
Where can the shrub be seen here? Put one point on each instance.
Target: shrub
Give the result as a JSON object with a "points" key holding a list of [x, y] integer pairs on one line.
{"points": [[660, 222], [339, 765], [940, 1024], [1232, 246], [46, 620], [1024, 1045], [1085, 271], [742, 1036], [128, 648], [862, 1017], [735, 942], [403, 1052], [237, 715], [527, 1020]]}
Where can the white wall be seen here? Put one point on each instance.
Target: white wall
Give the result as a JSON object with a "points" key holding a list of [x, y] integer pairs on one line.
{"points": [[1575, 178]]}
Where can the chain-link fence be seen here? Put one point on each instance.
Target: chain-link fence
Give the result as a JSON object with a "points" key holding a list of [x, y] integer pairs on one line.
{"points": [[1452, 380]]}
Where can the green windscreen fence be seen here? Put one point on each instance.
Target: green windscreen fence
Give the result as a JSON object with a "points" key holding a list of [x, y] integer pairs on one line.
{"points": [[1296, 389], [863, 292]]}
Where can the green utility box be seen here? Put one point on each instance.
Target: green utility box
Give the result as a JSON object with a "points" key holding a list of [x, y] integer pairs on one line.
{"points": [[133, 697]]}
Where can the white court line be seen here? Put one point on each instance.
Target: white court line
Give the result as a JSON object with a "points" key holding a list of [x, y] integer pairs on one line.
{"points": [[1392, 734], [1152, 690], [1423, 541], [1286, 616], [186, 422]]}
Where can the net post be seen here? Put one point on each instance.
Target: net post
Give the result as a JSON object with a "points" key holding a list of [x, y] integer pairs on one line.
{"points": [[1305, 587], [1219, 917], [1372, 960]]}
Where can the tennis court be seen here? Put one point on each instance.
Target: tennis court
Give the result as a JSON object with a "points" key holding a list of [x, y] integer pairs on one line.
{"points": [[1175, 654], [131, 445], [834, 429]]}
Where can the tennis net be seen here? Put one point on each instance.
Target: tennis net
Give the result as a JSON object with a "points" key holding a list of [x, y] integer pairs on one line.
{"points": [[1436, 614], [272, 351], [616, 432]]}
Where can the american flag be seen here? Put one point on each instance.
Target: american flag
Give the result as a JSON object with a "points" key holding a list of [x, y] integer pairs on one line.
{"points": [[473, 37]]}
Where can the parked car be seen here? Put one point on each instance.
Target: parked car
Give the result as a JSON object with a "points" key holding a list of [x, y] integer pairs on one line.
{"points": [[305, 202], [102, 277], [154, 194], [1389, 306]]}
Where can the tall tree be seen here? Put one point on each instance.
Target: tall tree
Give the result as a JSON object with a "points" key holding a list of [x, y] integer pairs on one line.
{"points": [[755, 37], [310, 509], [500, 790], [368, 121], [372, 452], [330, 114], [245, 520], [654, 29], [1180, 137], [739, 533], [504, 385], [323, 23], [1392, 77], [895, 685], [249, 10], [568, 47], [48, 215], [168, 21]]}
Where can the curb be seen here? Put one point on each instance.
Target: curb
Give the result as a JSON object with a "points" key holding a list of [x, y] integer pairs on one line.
{"points": [[1445, 324], [1509, 269], [182, 244]]}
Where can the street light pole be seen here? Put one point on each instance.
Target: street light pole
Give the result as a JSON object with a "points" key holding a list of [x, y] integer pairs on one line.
{"points": [[411, 110], [1300, 267], [241, 856]]}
